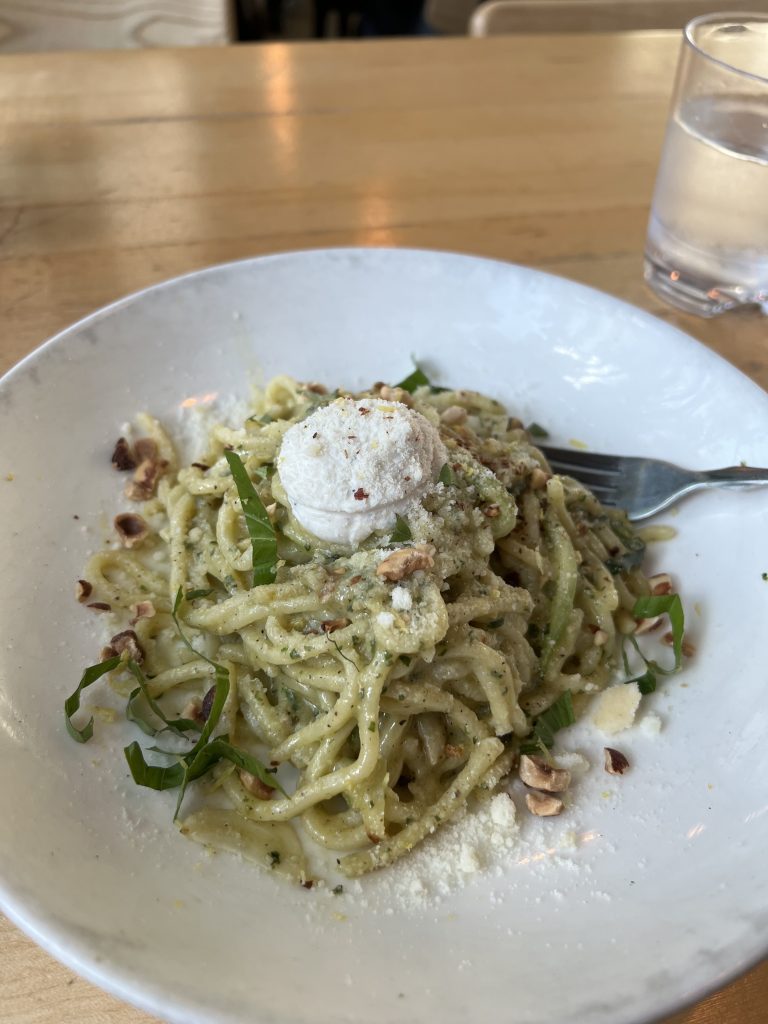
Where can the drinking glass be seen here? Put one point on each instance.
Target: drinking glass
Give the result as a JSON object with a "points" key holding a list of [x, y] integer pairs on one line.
{"points": [[707, 246]]}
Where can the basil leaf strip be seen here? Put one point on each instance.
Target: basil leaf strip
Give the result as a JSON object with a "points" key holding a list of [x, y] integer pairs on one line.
{"points": [[667, 604], [445, 476], [260, 528], [417, 379], [179, 726], [558, 716], [218, 750], [401, 532], [221, 749], [72, 703], [180, 598], [151, 775], [536, 430], [647, 608], [192, 595]]}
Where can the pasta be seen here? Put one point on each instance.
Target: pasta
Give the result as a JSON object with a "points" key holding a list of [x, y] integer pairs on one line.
{"points": [[381, 703]]}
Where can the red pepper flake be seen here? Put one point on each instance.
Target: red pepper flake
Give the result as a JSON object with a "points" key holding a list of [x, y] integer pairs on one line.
{"points": [[360, 494], [314, 435], [308, 884], [363, 411]]}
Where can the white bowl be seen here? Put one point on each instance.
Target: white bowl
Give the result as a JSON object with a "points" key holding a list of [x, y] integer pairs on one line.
{"points": [[665, 894]]}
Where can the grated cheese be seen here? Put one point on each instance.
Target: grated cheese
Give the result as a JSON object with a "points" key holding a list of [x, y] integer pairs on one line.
{"points": [[615, 708]]}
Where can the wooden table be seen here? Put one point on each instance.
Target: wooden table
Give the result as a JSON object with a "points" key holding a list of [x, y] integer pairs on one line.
{"points": [[120, 169]]}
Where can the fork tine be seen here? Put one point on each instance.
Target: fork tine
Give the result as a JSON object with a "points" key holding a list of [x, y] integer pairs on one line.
{"points": [[606, 465], [600, 483]]}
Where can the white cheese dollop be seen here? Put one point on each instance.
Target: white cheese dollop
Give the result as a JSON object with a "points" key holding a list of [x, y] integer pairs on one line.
{"points": [[353, 465]]}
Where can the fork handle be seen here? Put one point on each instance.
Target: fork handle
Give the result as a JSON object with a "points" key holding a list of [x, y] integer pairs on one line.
{"points": [[733, 476]]}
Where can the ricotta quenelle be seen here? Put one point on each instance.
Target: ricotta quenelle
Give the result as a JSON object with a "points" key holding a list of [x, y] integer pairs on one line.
{"points": [[353, 465]]}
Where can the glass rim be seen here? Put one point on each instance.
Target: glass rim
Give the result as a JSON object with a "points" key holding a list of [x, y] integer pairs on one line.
{"points": [[724, 17]]}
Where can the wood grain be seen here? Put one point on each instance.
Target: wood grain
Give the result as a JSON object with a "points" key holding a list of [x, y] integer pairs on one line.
{"points": [[35, 25], [119, 170]]}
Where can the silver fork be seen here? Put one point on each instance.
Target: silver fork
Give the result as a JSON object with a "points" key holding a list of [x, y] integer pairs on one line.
{"points": [[642, 487]]}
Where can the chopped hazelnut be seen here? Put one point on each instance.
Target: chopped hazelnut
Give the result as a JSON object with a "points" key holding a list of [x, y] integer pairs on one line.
{"points": [[535, 772], [331, 625], [405, 561], [127, 642], [395, 395], [142, 610], [255, 786], [131, 528], [192, 711], [492, 511], [107, 653], [688, 648], [600, 638], [544, 805], [142, 486], [83, 590], [453, 415], [615, 762], [646, 625], [122, 457], [146, 449], [660, 584], [207, 705]]}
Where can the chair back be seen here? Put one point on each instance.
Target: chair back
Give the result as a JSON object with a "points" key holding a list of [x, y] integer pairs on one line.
{"points": [[500, 17]]}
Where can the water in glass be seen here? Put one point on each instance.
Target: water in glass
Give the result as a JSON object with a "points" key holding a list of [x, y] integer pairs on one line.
{"points": [[709, 220]]}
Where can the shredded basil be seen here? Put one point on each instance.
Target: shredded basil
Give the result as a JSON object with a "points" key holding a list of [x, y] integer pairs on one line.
{"points": [[260, 528], [536, 430], [72, 703], [153, 776], [672, 606], [558, 716], [206, 752], [401, 532], [418, 379], [135, 713], [221, 749], [193, 595], [647, 608], [445, 476]]}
